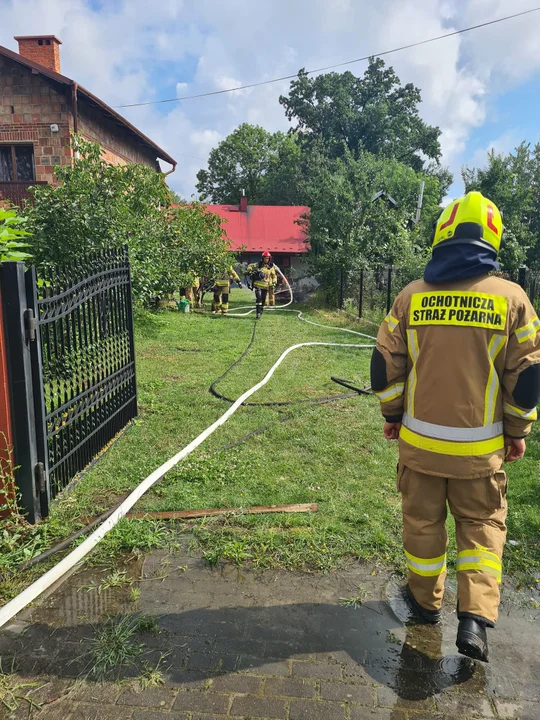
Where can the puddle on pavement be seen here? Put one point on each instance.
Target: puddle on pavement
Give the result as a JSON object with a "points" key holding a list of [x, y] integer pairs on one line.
{"points": [[429, 662], [279, 614], [84, 599]]}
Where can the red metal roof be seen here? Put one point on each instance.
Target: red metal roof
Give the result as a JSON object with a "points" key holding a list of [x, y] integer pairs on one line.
{"points": [[264, 227]]}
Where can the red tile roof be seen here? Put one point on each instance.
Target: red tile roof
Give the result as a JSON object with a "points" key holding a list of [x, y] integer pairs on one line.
{"points": [[264, 227]]}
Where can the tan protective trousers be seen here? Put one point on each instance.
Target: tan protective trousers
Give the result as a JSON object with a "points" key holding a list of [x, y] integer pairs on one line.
{"points": [[271, 297], [479, 508], [192, 294]]}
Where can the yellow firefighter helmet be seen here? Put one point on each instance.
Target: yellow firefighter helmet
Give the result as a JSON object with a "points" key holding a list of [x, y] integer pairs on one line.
{"points": [[470, 219]]}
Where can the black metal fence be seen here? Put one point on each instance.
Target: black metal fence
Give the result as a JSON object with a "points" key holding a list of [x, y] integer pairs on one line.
{"points": [[72, 368], [530, 282], [371, 293]]}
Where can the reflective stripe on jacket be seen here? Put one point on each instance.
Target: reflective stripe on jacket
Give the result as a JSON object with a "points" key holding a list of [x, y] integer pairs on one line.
{"points": [[459, 365], [268, 271], [226, 277]]}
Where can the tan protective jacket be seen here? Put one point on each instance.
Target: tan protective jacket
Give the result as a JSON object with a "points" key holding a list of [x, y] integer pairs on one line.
{"points": [[225, 279], [459, 365], [269, 272]]}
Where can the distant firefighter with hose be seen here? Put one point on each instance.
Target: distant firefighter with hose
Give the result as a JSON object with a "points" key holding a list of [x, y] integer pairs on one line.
{"points": [[263, 277], [222, 288], [457, 372]]}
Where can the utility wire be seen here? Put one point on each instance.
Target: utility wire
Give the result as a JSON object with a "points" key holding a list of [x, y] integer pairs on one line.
{"points": [[193, 157], [341, 64]]}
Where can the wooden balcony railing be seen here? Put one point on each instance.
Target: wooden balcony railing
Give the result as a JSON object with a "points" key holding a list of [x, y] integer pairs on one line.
{"points": [[17, 192]]}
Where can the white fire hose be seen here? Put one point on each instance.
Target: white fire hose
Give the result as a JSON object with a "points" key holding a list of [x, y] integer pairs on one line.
{"points": [[8, 611]]}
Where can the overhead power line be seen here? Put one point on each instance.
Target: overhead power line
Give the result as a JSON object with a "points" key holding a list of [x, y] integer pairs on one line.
{"points": [[193, 157], [341, 64]]}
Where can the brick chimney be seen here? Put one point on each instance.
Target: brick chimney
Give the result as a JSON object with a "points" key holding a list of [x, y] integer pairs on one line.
{"points": [[41, 49], [243, 202]]}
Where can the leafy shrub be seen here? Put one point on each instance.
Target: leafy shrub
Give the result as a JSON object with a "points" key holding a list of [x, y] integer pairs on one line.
{"points": [[98, 206]]}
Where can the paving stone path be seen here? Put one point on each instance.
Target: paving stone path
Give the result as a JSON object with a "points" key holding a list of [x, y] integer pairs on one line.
{"points": [[245, 644]]}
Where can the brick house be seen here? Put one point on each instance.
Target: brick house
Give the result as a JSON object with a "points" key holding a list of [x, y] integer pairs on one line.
{"points": [[40, 108]]}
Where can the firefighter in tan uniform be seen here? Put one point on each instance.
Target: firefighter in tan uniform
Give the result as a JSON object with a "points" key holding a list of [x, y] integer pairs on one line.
{"points": [[457, 371], [263, 277], [222, 288], [193, 293]]}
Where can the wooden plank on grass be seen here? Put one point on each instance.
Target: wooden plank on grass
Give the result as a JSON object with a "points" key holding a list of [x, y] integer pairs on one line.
{"points": [[254, 510]]}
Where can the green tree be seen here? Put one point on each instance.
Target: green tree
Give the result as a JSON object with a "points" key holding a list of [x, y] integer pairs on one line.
{"points": [[512, 181], [99, 206], [350, 228], [374, 113], [176, 198], [253, 160], [196, 246], [12, 234]]}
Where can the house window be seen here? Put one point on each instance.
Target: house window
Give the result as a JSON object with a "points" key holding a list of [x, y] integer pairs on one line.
{"points": [[16, 163]]}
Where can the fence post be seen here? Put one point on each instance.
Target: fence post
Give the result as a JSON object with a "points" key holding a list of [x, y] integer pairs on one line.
{"points": [[341, 288], [7, 489], [532, 291], [361, 298], [389, 290], [40, 424], [19, 327], [522, 277], [131, 329]]}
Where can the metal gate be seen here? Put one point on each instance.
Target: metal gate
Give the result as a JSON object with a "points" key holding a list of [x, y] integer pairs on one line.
{"points": [[71, 358]]}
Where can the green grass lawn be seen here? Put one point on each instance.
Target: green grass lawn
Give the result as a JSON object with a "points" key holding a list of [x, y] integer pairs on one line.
{"points": [[332, 454]]}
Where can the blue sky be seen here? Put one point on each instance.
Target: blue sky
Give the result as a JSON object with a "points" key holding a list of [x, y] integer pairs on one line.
{"points": [[513, 117], [482, 88]]}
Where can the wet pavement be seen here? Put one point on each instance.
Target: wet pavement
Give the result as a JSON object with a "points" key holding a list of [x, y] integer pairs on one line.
{"points": [[244, 644]]}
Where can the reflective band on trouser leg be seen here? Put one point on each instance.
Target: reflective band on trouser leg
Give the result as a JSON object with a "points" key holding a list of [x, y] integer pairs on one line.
{"points": [[426, 567], [414, 351], [391, 392], [448, 447], [517, 412], [481, 560], [492, 388]]}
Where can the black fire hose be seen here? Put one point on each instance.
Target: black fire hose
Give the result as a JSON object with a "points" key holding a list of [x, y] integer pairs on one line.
{"points": [[347, 384], [283, 403]]}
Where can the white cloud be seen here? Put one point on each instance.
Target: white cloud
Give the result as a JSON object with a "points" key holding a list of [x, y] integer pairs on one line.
{"points": [[501, 145], [205, 140], [223, 82], [118, 50]]}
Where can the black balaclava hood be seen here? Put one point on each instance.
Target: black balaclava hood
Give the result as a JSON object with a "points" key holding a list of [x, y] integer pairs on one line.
{"points": [[456, 262]]}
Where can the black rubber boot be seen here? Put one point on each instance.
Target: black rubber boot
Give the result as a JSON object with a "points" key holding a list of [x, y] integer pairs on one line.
{"points": [[472, 639], [259, 312], [431, 617]]}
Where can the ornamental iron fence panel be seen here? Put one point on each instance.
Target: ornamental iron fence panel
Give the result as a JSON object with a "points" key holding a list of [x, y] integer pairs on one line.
{"points": [[71, 357]]}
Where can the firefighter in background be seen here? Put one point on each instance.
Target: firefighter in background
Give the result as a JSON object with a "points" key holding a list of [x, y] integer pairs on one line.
{"points": [[192, 292], [263, 276], [271, 296], [222, 288], [457, 371]]}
